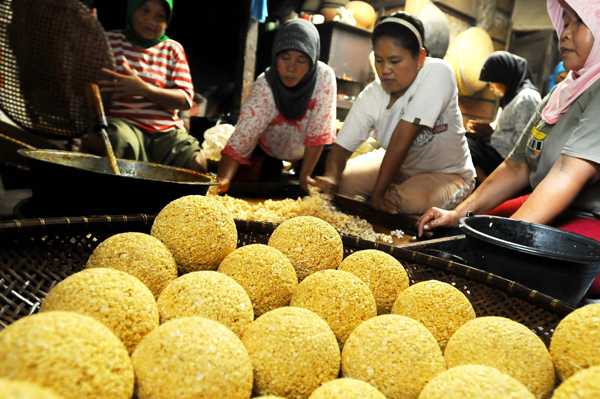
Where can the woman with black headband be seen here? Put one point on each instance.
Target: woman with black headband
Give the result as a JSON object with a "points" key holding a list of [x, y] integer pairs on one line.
{"points": [[290, 111], [413, 113], [511, 79]]}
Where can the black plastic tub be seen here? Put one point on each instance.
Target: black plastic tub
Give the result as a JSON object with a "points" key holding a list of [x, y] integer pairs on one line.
{"points": [[555, 262]]}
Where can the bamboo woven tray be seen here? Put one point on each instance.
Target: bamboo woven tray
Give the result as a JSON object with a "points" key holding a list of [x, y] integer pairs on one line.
{"points": [[36, 254]]}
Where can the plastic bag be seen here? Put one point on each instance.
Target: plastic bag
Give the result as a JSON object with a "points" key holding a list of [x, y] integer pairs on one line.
{"points": [[215, 140]]}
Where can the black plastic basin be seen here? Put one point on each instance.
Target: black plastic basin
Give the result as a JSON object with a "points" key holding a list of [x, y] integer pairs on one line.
{"points": [[558, 263]]}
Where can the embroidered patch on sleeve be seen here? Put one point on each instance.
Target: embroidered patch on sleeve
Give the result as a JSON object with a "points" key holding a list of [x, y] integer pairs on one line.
{"points": [[417, 121]]}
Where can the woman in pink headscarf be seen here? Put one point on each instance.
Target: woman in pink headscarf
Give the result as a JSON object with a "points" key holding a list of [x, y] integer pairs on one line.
{"points": [[559, 151]]}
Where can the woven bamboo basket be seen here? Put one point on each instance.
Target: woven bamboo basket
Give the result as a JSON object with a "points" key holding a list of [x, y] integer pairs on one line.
{"points": [[36, 254]]}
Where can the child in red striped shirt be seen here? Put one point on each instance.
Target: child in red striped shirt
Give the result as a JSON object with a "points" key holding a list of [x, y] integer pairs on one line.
{"points": [[151, 84]]}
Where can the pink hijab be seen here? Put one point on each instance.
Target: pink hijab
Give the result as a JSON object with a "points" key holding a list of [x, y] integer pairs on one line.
{"points": [[577, 81]]}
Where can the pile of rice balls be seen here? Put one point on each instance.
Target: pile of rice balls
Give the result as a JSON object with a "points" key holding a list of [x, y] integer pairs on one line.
{"points": [[183, 312]]}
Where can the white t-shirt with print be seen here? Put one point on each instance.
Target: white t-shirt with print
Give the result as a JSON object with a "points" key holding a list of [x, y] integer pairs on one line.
{"points": [[431, 101]]}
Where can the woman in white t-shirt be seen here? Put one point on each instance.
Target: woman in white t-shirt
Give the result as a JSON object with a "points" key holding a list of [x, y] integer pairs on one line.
{"points": [[413, 113]]}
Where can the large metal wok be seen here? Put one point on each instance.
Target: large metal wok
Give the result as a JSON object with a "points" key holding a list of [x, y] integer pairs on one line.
{"points": [[74, 184], [53, 51]]}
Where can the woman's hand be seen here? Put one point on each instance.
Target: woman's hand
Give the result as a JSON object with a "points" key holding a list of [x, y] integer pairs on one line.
{"points": [[222, 187], [379, 203], [124, 84], [477, 126], [435, 217], [324, 184]]}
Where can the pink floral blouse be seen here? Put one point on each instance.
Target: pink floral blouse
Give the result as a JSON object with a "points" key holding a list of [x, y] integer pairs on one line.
{"points": [[260, 122]]}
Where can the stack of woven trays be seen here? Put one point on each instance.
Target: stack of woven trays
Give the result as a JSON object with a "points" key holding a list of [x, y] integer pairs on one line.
{"points": [[36, 254]]}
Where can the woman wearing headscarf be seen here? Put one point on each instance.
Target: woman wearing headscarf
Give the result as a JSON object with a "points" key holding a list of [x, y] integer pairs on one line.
{"points": [[152, 82], [289, 113], [560, 73], [511, 79], [559, 151]]}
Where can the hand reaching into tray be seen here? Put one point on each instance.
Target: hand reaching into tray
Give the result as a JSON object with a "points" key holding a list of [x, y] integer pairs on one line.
{"points": [[436, 217], [324, 184], [379, 203]]}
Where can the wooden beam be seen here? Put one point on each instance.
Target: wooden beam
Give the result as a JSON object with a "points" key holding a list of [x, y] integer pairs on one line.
{"points": [[249, 58]]}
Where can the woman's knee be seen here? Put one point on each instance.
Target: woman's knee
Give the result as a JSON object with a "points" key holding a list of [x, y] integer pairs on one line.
{"points": [[124, 140], [421, 192]]}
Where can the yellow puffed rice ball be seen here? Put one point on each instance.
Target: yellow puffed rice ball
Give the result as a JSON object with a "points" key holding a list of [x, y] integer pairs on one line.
{"points": [[346, 388], [576, 341], [437, 305], [207, 294], [13, 389], [506, 345], [265, 273], [311, 244], [198, 230], [584, 384], [384, 274], [395, 354], [138, 254], [293, 352], [340, 298], [116, 299], [192, 357], [474, 382], [74, 355]]}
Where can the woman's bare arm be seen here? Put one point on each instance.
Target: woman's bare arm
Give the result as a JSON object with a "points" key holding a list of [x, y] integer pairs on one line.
{"points": [[562, 185], [334, 167], [504, 183]]}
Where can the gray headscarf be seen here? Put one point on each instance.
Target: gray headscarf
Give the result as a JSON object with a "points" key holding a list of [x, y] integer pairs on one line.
{"points": [[301, 35]]}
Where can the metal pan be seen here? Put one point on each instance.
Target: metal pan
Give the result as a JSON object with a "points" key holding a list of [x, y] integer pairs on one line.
{"points": [[75, 184]]}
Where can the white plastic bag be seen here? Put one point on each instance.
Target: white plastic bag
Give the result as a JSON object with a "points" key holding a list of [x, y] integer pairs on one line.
{"points": [[215, 140]]}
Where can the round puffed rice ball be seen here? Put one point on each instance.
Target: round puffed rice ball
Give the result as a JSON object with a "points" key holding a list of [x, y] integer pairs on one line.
{"points": [[584, 384], [265, 273], [72, 354], [474, 382], [310, 243], [138, 254], [340, 298], [199, 231], [207, 294], [439, 306], [395, 354], [576, 341], [384, 274], [192, 357], [116, 299], [346, 388], [506, 345], [293, 352], [13, 389]]}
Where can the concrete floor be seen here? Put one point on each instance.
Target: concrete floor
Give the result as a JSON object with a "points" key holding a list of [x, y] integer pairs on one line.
{"points": [[9, 199]]}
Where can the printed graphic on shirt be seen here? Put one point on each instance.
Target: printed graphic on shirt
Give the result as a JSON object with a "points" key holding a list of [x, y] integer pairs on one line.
{"points": [[425, 136], [536, 141]]}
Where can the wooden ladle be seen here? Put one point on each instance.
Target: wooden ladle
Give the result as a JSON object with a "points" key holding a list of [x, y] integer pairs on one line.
{"points": [[95, 101]]}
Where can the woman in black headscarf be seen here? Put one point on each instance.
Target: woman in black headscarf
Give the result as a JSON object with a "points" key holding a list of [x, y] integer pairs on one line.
{"points": [[290, 111], [511, 79]]}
